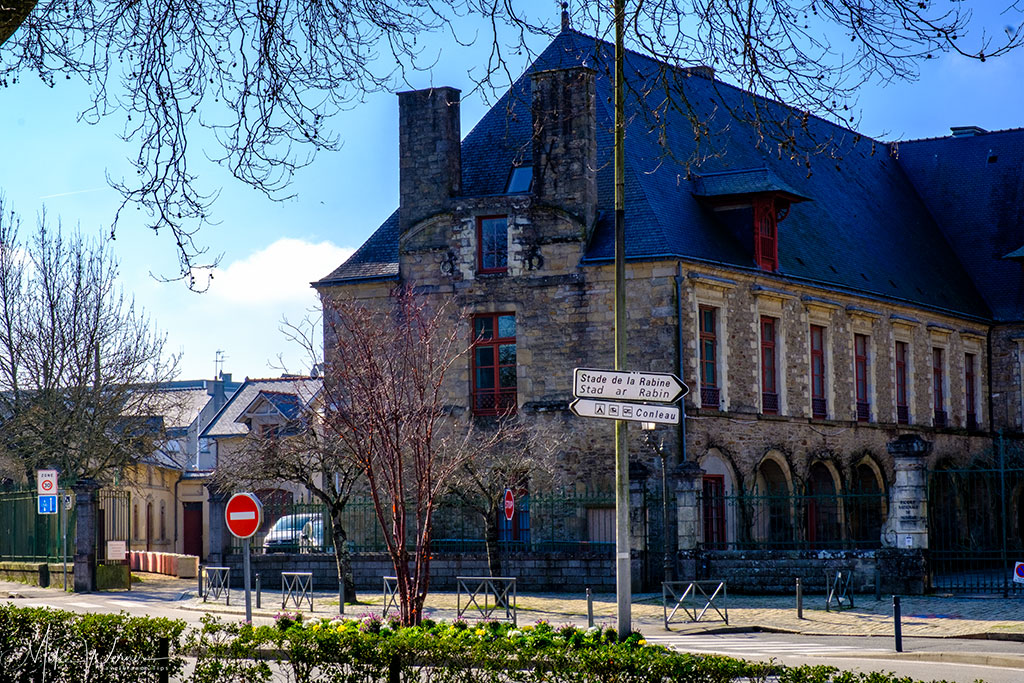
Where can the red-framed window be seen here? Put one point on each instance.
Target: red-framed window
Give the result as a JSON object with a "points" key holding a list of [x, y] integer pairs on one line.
{"points": [[766, 230], [938, 392], [860, 366], [494, 363], [970, 390], [709, 356], [769, 368], [902, 408], [713, 509], [819, 406], [492, 244]]}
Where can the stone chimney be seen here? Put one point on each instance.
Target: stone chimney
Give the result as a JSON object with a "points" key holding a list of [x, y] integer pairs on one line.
{"points": [[565, 141], [430, 153]]}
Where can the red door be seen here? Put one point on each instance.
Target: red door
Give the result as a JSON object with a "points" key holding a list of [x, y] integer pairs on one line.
{"points": [[192, 521]]}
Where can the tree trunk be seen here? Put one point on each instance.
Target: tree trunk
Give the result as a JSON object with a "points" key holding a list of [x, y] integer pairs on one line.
{"points": [[342, 557], [491, 540]]}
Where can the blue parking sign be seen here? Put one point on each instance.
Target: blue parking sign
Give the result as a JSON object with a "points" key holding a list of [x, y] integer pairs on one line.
{"points": [[47, 505]]}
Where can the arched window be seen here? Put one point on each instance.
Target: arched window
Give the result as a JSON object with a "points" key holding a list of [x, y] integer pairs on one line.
{"points": [[774, 505], [823, 529], [163, 520], [866, 507], [718, 504]]}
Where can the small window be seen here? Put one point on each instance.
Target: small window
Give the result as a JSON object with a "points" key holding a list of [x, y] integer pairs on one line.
{"points": [[860, 365], [519, 180], [938, 386], [492, 244], [494, 364], [766, 226], [709, 395], [902, 407], [819, 405], [769, 373], [970, 391]]}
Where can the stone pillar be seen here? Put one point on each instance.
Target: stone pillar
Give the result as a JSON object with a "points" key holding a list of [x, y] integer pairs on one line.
{"points": [[902, 561], [688, 476], [220, 537], [638, 475], [87, 506], [907, 525]]}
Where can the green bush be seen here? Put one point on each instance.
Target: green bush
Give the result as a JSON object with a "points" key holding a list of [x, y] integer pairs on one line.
{"points": [[53, 645]]}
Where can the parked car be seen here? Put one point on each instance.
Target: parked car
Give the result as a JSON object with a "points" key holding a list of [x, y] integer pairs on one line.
{"points": [[286, 534]]}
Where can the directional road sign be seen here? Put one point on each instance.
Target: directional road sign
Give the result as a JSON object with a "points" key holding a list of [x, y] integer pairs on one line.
{"points": [[616, 410], [48, 505], [244, 514], [658, 387], [46, 482]]}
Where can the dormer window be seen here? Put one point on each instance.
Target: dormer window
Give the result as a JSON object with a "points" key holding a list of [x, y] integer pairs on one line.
{"points": [[519, 180], [766, 231], [492, 244]]}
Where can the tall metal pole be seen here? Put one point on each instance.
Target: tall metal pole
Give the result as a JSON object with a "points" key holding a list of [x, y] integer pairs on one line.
{"points": [[623, 580]]}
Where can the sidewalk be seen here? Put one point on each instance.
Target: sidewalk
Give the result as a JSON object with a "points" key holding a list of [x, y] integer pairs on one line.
{"points": [[923, 616]]}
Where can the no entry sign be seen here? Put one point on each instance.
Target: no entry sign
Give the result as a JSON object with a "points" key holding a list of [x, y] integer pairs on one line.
{"points": [[510, 504], [243, 514]]}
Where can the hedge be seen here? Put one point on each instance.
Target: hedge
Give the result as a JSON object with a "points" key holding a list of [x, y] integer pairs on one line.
{"points": [[51, 645]]}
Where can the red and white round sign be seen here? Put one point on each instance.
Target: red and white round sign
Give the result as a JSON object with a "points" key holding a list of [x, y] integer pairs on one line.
{"points": [[243, 514], [510, 504]]}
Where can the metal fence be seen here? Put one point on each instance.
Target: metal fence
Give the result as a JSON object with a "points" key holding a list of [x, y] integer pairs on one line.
{"points": [[976, 523], [543, 521], [792, 522]]}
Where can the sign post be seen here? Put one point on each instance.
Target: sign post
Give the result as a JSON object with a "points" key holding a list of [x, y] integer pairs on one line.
{"points": [[510, 505], [244, 515]]}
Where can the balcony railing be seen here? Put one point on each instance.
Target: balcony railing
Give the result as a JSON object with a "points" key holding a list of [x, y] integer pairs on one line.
{"points": [[769, 403], [819, 408], [863, 411], [972, 421], [494, 402], [709, 397], [903, 415], [941, 419]]}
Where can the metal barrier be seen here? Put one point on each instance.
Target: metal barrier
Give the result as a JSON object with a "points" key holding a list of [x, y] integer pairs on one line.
{"points": [[501, 588], [678, 591], [218, 582], [390, 594], [838, 590], [297, 586]]}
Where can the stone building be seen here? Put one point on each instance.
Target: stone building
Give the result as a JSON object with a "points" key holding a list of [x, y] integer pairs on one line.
{"points": [[822, 306]]}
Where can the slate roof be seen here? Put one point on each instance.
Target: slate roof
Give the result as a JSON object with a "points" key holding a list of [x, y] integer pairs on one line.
{"points": [[287, 404], [864, 230], [225, 423], [974, 186]]}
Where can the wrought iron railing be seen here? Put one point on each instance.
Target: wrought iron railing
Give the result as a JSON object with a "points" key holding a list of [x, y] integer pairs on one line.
{"points": [[819, 408], [709, 397], [863, 411], [494, 401], [804, 521], [769, 403]]}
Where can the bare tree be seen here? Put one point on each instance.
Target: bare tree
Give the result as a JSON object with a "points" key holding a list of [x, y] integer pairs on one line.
{"points": [[266, 79], [80, 365], [300, 451], [387, 386], [520, 460]]}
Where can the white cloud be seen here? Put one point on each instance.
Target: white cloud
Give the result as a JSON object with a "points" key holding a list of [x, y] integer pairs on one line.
{"points": [[278, 274]]}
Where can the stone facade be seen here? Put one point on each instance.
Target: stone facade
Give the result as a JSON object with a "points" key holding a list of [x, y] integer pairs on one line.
{"points": [[563, 308]]}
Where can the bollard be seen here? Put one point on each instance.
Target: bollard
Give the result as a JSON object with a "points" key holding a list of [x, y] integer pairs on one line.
{"points": [[200, 578], [163, 655], [799, 598], [341, 595], [590, 609], [259, 593], [896, 619], [878, 584]]}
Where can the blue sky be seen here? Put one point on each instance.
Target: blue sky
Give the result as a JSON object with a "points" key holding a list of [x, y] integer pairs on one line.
{"points": [[272, 250]]}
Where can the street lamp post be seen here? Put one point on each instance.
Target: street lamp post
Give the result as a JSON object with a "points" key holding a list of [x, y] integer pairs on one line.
{"points": [[656, 442]]}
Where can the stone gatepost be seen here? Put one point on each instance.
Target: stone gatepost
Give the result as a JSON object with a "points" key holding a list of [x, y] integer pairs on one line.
{"points": [[902, 561], [220, 538], [689, 477], [87, 506], [638, 475]]}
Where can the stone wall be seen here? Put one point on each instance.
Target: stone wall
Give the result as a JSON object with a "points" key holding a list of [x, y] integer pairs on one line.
{"points": [[776, 571], [537, 572], [32, 573]]}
